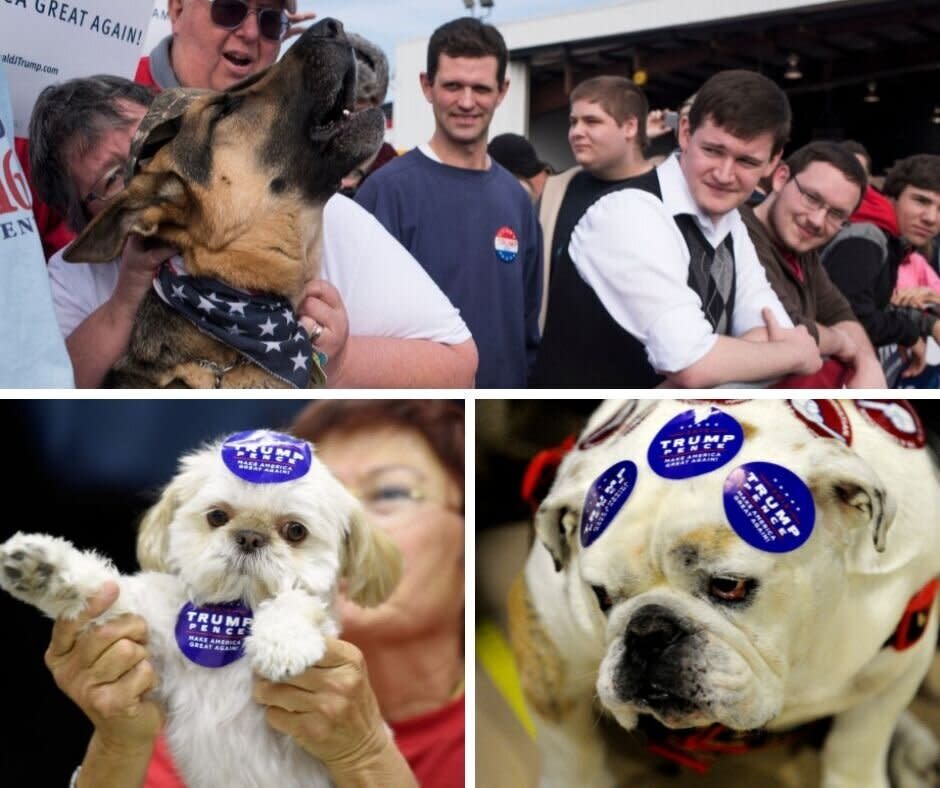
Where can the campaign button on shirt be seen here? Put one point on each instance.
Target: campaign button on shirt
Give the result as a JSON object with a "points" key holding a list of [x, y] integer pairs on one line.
{"points": [[824, 417], [605, 499], [769, 506], [897, 418], [506, 244]]}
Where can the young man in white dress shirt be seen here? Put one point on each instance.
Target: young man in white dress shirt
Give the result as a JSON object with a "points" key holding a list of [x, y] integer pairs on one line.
{"points": [[667, 258]]}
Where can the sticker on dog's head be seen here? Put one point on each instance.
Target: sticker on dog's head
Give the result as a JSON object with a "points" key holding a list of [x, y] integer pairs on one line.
{"points": [[265, 457], [605, 498], [690, 446], [624, 420], [769, 506], [824, 417], [213, 635]]}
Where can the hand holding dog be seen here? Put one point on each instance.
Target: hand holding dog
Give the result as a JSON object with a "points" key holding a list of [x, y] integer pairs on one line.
{"points": [[331, 711], [105, 671], [135, 273], [322, 305]]}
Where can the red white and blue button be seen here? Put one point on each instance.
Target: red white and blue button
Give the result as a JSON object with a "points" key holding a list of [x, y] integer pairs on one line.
{"points": [[506, 244]]}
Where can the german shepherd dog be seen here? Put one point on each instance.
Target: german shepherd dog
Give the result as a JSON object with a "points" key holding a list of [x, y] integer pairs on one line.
{"points": [[237, 182]]}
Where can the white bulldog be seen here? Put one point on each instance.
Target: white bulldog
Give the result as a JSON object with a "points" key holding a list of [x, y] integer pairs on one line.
{"points": [[756, 565]]}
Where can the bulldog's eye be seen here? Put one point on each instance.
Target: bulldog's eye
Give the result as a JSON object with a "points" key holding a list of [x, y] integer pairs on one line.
{"points": [[293, 532], [730, 589], [217, 518], [603, 598]]}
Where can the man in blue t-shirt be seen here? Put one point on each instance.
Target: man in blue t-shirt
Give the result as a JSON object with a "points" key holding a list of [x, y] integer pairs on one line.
{"points": [[464, 217]]}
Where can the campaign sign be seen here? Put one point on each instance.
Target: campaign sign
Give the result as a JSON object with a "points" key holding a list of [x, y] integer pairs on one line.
{"points": [[213, 635], [605, 498], [769, 506], [159, 27], [47, 41], [265, 457], [689, 445]]}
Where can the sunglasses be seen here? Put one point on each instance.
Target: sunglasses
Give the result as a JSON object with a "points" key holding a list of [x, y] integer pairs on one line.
{"points": [[231, 14]]}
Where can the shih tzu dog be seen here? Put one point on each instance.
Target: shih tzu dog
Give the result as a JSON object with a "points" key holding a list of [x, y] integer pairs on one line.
{"points": [[242, 556]]}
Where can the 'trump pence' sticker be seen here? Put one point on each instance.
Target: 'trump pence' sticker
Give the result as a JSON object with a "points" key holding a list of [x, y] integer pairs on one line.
{"points": [[605, 498], [265, 457], [688, 447], [213, 635], [769, 506]]}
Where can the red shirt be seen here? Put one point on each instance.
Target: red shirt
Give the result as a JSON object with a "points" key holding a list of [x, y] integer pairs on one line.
{"points": [[433, 745]]}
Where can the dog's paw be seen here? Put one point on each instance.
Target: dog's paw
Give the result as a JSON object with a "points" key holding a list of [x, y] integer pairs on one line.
{"points": [[287, 635], [50, 573], [914, 758]]}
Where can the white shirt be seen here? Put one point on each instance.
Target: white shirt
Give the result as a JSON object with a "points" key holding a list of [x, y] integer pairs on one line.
{"points": [[629, 250], [385, 291]]}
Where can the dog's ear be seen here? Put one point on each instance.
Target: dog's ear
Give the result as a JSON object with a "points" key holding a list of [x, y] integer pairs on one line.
{"points": [[556, 524], [150, 200], [853, 501], [153, 533], [372, 562]]}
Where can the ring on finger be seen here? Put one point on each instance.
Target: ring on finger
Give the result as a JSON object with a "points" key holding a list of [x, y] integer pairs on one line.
{"points": [[316, 332]]}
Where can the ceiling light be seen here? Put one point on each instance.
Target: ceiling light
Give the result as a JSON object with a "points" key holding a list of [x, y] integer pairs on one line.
{"points": [[793, 67], [872, 96]]}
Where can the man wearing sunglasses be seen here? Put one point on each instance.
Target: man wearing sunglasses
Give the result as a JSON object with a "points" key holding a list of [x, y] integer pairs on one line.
{"points": [[216, 43], [814, 193]]}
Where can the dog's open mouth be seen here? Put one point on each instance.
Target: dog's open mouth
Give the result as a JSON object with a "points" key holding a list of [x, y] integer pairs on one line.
{"points": [[324, 128]]}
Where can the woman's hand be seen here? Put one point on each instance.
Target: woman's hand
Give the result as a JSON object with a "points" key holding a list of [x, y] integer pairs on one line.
{"points": [[323, 314], [331, 711], [105, 671]]}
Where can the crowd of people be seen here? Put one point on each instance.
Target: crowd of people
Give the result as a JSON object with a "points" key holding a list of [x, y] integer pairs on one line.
{"points": [[683, 250]]}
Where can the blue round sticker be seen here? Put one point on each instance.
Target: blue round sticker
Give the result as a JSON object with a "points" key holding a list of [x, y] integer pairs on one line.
{"points": [[769, 506], [605, 498], [265, 457], [213, 635], [687, 447]]}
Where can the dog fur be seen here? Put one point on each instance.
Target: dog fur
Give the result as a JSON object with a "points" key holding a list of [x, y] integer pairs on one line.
{"points": [[216, 732], [809, 645], [239, 189]]}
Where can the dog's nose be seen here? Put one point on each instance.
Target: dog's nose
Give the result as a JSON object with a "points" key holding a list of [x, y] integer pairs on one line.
{"points": [[249, 541], [328, 28], [652, 629]]}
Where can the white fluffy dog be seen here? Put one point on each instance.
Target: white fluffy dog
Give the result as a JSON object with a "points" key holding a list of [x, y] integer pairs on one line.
{"points": [[245, 550]]}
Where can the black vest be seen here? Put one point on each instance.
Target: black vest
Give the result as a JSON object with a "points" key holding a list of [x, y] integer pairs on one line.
{"points": [[582, 345]]}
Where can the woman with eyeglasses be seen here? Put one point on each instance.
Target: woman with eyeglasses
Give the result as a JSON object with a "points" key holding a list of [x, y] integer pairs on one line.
{"points": [[400, 663]]}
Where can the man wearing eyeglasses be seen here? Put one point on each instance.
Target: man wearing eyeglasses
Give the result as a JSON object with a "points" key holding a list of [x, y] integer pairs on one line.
{"points": [[216, 43], [814, 194], [864, 258]]}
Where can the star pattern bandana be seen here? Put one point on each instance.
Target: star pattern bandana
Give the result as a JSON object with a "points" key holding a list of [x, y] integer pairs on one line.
{"points": [[261, 327]]}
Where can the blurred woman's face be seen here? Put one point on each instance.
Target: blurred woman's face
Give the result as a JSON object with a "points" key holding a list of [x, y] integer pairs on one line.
{"points": [[409, 494]]}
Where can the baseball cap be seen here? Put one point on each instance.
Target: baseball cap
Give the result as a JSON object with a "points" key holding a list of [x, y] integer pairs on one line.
{"points": [[517, 155]]}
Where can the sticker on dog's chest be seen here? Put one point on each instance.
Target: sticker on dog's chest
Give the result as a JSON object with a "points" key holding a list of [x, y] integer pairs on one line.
{"points": [[213, 635], [897, 418], [769, 506], [265, 457], [506, 244], [605, 498], [688, 446], [824, 417]]}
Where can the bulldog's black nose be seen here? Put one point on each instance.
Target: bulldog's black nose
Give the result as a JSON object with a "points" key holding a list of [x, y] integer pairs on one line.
{"points": [[249, 541], [651, 630], [327, 28]]}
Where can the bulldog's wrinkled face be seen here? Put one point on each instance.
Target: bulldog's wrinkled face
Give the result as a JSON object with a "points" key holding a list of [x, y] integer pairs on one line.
{"points": [[699, 625], [240, 187]]}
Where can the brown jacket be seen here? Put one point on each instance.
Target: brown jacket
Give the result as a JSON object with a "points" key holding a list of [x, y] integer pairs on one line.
{"points": [[814, 300]]}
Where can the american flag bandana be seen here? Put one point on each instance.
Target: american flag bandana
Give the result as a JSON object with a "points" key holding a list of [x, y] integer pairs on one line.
{"points": [[261, 327]]}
